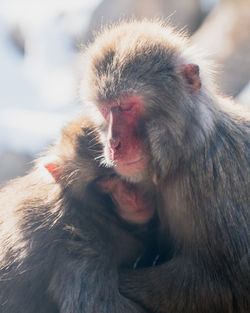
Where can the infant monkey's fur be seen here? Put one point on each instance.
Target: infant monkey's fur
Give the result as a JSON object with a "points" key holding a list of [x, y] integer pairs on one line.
{"points": [[60, 242]]}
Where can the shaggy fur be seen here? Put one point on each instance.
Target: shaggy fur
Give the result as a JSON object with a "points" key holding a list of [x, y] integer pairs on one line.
{"points": [[199, 145], [60, 241]]}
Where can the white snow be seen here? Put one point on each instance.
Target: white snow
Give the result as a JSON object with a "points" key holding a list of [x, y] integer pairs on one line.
{"points": [[38, 90]]}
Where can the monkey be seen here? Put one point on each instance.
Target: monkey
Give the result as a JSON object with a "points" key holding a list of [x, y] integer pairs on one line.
{"points": [[161, 118], [62, 238]]}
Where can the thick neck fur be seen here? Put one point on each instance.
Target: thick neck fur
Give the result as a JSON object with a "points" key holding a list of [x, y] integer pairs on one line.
{"points": [[204, 189]]}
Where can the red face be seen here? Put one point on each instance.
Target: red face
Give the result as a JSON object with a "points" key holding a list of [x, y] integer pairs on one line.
{"points": [[124, 148], [131, 204]]}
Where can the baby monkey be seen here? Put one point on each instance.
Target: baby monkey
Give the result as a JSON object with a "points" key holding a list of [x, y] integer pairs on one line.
{"points": [[63, 238]]}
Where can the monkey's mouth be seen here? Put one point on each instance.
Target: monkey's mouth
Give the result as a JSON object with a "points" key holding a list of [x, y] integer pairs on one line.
{"points": [[132, 163]]}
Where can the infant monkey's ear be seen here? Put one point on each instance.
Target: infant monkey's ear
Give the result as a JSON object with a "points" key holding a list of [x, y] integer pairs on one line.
{"points": [[54, 170]]}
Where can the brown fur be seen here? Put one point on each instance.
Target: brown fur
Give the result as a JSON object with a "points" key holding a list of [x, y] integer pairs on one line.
{"points": [[60, 240], [199, 147]]}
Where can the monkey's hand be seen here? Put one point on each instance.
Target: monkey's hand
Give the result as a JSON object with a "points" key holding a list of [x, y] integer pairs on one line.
{"points": [[140, 285]]}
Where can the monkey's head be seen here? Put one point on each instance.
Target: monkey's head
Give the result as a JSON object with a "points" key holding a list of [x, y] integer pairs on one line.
{"points": [[72, 162], [74, 167], [139, 78]]}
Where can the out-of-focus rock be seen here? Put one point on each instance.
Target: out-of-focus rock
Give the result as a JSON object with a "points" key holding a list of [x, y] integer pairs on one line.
{"points": [[182, 13], [225, 35], [18, 39], [13, 165]]}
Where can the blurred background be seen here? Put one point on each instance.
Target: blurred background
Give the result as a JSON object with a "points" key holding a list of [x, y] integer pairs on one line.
{"points": [[39, 61]]}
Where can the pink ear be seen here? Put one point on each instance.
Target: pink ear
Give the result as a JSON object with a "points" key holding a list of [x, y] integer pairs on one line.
{"points": [[54, 170], [191, 72]]}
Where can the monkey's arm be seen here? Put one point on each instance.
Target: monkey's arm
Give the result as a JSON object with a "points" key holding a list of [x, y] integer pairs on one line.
{"points": [[177, 286], [85, 286], [85, 276]]}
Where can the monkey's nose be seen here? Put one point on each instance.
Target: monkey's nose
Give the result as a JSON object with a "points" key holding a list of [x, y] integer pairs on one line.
{"points": [[115, 143]]}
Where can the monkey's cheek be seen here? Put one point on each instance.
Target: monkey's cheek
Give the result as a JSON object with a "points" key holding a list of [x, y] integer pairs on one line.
{"points": [[142, 216]]}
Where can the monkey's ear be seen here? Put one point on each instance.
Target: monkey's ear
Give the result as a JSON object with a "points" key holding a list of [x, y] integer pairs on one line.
{"points": [[191, 74], [54, 170]]}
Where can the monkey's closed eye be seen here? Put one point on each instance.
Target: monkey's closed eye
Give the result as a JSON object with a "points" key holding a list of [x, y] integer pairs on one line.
{"points": [[127, 106]]}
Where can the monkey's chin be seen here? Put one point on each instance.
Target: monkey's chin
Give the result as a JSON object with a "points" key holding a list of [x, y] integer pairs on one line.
{"points": [[133, 172]]}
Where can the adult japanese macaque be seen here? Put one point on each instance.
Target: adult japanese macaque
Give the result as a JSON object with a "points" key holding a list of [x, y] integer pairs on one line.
{"points": [[61, 236], [160, 118]]}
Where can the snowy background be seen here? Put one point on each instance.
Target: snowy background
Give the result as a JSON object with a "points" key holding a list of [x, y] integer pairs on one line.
{"points": [[37, 80]]}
